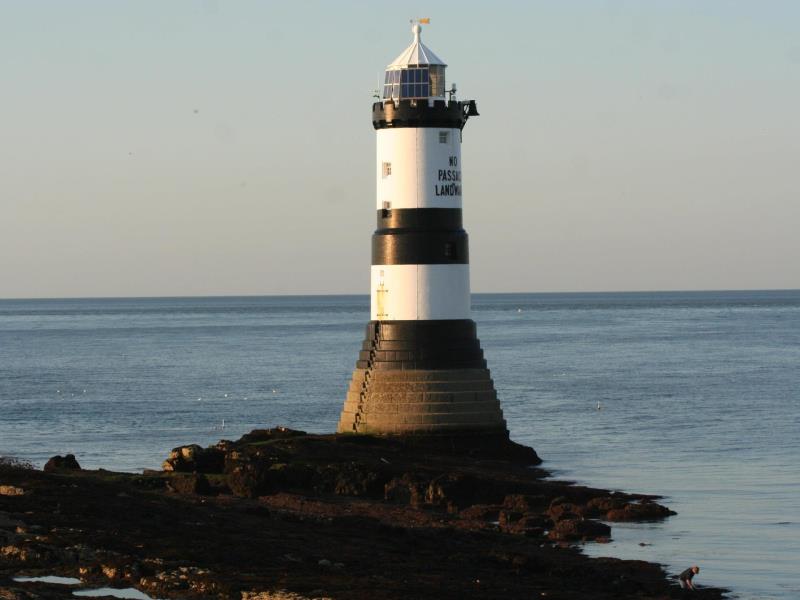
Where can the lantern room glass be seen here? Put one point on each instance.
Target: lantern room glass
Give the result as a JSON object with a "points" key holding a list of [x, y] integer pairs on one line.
{"points": [[416, 82]]}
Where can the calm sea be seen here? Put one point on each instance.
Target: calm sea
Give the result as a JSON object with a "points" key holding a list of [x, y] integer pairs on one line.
{"points": [[699, 398]]}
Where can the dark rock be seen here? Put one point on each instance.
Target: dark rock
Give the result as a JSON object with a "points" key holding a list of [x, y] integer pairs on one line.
{"points": [[62, 463], [267, 435], [104, 525], [407, 489], [353, 479], [647, 510], [578, 529], [507, 519], [254, 474], [452, 490], [524, 524], [189, 483], [246, 481], [565, 510], [525, 503], [195, 459], [600, 505], [480, 512], [292, 475]]}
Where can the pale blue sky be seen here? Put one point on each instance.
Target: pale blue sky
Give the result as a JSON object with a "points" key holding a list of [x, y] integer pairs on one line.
{"points": [[181, 148]]}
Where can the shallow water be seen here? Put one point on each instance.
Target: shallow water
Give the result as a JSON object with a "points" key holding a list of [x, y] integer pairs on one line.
{"points": [[699, 396], [56, 579], [132, 593]]}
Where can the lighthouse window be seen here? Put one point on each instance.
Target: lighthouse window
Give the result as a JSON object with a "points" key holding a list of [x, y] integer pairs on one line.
{"points": [[444, 137], [407, 83], [450, 251], [387, 169], [391, 88], [437, 80]]}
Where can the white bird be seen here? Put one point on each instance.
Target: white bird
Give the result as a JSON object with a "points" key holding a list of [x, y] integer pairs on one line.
{"points": [[274, 391], [598, 405], [226, 395]]}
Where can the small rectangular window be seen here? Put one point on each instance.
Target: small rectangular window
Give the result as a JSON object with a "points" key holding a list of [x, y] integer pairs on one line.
{"points": [[444, 137], [387, 169], [450, 251]]}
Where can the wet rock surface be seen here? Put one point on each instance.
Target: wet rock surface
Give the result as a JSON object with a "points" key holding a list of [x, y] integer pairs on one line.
{"points": [[280, 514]]}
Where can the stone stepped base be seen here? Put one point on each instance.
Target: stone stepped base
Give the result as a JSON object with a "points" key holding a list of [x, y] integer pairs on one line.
{"points": [[421, 377]]}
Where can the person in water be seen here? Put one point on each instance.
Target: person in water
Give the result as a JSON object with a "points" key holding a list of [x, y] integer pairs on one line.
{"points": [[685, 578]]}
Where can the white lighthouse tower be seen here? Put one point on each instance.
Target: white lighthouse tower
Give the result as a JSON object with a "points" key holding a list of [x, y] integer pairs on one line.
{"points": [[421, 368]]}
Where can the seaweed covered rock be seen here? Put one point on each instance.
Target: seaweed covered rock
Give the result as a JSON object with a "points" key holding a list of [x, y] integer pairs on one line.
{"points": [[646, 510], [288, 511], [407, 489], [578, 529], [189, 483], [525, 503], [599, 506], [528, 524]]}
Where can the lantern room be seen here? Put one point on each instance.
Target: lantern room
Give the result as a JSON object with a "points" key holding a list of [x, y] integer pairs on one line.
{"points": [[417, 73]]}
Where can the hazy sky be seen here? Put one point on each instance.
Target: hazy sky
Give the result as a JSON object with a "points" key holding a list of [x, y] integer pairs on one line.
{"points": [[182, 148]]}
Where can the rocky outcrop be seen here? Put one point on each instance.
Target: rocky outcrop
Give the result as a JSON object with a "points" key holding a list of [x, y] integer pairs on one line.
{"points": [[195, 459], [646, 510], [284, 595], [282, 515], [189, 483], [62, 463], [574, 529]]}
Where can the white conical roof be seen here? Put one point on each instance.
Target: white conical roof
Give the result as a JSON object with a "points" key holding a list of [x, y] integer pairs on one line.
{"points": [[416, 54]]}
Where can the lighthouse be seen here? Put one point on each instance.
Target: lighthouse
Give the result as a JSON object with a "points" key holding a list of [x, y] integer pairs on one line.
{"points": [[421, 369]]}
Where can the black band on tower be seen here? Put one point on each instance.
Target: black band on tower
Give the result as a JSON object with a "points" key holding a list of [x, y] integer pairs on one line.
{"points": [[417, 113], [421, 219], [428, 345], [392, 247], [424, 332]]}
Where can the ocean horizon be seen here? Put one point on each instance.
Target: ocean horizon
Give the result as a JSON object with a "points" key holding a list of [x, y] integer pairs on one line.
{"points": [[691, 395], [356, 295]]}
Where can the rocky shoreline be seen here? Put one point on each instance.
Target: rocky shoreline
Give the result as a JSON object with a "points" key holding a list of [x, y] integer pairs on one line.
{"points": [[280, 514]]}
